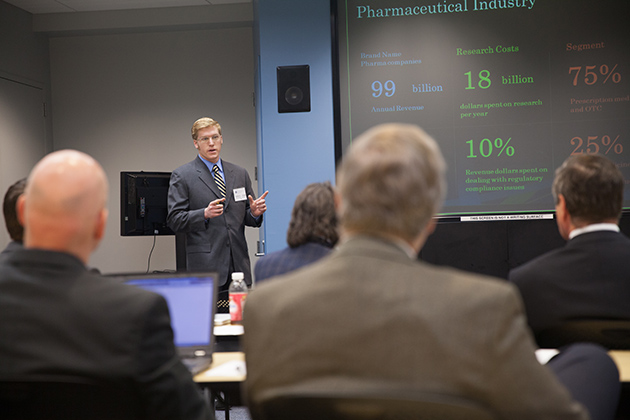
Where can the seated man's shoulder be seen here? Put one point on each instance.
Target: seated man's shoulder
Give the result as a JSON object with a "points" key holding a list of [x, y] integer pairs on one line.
{"points": [[531, 270], [114, 292], [288, 286], [468, 285]]}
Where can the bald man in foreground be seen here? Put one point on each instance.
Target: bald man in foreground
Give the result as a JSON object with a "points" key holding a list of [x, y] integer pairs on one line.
{"points": [[59, 320]]}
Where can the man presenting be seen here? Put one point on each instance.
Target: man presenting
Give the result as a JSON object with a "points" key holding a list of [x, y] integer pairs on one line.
{"points": [[211, 200], [60, 321], [371, 316], [588, 277]]}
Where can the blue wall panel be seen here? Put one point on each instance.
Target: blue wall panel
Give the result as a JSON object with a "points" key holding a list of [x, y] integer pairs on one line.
{"points": [[294, 149]]}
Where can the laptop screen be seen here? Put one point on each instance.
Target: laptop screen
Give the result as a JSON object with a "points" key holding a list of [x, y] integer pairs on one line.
{"points": [[191, 299]]}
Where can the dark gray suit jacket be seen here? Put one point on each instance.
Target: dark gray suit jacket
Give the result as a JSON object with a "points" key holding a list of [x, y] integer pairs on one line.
{"points": [[11, 247], [289, 259], [588, 278], [369, 315], [211, 244], [57, 319]]}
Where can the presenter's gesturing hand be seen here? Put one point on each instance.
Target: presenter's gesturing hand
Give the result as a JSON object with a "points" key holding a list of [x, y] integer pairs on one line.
{"points": [[258, 206], [214, 209]]}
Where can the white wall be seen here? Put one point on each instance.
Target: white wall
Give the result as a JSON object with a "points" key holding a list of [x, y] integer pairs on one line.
{"points": [[129, 100], [22, 135], [25, 133]]}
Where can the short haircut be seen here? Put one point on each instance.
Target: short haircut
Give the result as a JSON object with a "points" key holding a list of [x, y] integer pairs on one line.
{"points": [[391, 181], [203, 123], [592, 187], [314, 218], [15, 229]]}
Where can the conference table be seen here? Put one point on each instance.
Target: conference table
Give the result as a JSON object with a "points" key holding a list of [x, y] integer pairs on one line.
{"points": [[622, 359], [227, 372], [228, 367]]}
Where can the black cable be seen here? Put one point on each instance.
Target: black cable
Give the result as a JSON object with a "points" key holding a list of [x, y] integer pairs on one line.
{"points": [[151, 252]]}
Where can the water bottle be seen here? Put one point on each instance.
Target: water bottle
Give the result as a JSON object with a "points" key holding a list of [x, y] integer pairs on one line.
{"points": [[238, 295]]}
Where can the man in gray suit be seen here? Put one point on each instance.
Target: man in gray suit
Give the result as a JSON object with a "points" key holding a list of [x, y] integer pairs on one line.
{"points": [[372, 316], [211, 200], [60, 321]]}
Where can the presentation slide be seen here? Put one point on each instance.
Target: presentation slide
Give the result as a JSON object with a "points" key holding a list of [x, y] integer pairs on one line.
{"points": [[508, 88]]}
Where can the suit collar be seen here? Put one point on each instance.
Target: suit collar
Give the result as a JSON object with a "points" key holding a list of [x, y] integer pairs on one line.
{"points": [[206, 177], [382, 247], [595, 227], [210, 165], [42, 258], [227, 176], [596, 236], [13, 246]]}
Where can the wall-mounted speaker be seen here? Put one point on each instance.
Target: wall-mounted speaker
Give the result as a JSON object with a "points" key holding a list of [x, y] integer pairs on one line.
{"points": [[294, 89]]}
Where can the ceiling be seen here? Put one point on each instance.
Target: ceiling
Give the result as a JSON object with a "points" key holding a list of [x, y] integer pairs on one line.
{"points": [[67, 6]]}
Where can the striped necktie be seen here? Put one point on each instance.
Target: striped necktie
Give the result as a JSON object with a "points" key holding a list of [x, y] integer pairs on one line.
{"points": [[219, 180]]}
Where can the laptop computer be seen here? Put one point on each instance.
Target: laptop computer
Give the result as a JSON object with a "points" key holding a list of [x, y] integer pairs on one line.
{"points": [[191, 299]]}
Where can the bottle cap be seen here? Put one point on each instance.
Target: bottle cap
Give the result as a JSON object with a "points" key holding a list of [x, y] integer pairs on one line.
{"points": [[238, 276]]}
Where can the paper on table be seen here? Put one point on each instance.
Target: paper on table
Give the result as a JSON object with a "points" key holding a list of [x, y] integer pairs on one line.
{"points": [[221, 319], [545, 355], [223, 330], [228, 369]]}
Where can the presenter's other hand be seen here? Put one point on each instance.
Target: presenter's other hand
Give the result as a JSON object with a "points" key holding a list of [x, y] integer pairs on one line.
{"points": [[214, 209], [258, 206]]}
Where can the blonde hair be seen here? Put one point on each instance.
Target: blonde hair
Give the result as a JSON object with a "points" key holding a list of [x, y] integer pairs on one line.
{"points": [[203, 123], [391, 181]]}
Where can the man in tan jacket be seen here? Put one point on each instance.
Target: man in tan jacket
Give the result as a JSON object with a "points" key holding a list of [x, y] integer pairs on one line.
{"points": [[373, 315]]}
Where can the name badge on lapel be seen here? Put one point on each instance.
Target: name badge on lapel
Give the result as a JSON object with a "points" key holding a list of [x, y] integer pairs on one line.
{"points": [[239, 194]]}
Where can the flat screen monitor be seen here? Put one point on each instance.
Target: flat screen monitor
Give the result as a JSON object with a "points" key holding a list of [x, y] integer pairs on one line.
{"points": [[143, 203], [508, 88]]}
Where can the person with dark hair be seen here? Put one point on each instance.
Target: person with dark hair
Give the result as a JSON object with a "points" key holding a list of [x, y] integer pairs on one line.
{"points": [[311, 235], [60, 321], [14, 227], [372, 316], [588, 277]]}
